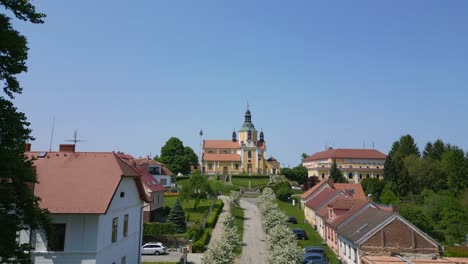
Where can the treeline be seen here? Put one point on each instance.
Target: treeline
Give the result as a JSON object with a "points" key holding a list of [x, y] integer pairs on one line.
{"points": [[429, 187]]}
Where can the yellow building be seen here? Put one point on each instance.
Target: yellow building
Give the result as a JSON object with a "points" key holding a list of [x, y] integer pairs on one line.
{"points": [[355, 164], [236, 156]]}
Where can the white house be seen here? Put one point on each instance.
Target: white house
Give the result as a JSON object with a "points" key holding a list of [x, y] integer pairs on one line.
{"points": [[158, 170], [96, 204]]}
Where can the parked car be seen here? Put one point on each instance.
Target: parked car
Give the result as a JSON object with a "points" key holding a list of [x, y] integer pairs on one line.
{"points": [[300, 233], [156, 248], [312, 249], [292, 220], [315, 258]]}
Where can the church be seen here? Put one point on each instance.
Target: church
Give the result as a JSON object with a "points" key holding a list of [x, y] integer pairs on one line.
{"points": [[243, 155]]}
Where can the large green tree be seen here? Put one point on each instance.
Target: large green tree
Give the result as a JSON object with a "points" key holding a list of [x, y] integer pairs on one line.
{"points": [[177, 216], [19, 207], [177, 157], [435, 150], [397, 172], [455, 165]]}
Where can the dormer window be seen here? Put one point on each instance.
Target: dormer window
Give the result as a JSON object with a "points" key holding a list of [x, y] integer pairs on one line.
{"points": [[224, 151], [154, 170]]}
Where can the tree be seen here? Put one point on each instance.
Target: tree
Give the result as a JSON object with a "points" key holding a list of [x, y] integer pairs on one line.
{"points": [[390, 173], [191, 157], [300, 173], [304, 156], [388, 196], [335, 173], [311, 182], [177, 216], [177, 157], [197, 188], [19, 207], [289, 174], [436, 150], [455, 165]]}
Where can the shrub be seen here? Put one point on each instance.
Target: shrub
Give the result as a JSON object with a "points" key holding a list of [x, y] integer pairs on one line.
{"points": [[194, 233], [159, 228], [177, 216], [199, 245]]}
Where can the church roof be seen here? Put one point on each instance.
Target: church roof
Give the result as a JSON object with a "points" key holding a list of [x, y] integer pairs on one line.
{"points": [[221, 157], [221, 144]]}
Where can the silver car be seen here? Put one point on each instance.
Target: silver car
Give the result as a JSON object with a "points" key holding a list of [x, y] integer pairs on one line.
{"points": [[153, 248]]}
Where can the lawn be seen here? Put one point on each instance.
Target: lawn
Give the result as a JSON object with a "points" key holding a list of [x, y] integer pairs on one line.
{"points": [[238, 214], [314, 237], [194, 215], [254, 182]]}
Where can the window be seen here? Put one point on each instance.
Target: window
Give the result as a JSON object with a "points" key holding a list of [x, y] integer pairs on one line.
{"points": [[350, 166], [237, 166], [210, 151], [115, 223], [249, 154], [123, 260], [339, 166], [367, 166], [57, 243], [367, 176], [323, 175], [350, 175], [163, 181], [154, 170], [210, 166], [360, 176], [125, 227], [378, 176]]}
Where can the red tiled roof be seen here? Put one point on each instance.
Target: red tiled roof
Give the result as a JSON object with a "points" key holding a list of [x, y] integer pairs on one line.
{"points": [[356, 206], [346, 154], [148, 180], [322, 198], [142, 164], [221, 157], [312, 190], [221, 144], [323, 211], [80, 182], [355, 188]]}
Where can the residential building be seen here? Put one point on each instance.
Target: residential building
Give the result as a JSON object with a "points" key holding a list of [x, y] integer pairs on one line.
{"points": [[96, 204], [377, 231], [158, 170], [236, 156], [317, 202], [153, 188], [355, 164]]}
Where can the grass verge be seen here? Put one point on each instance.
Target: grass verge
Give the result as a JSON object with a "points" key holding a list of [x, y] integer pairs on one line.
{"points": [[238, 214], [254, 182], [314, 237]]}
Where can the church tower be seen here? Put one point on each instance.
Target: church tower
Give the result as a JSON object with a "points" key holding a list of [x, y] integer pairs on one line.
{"points": [[248, 131]]}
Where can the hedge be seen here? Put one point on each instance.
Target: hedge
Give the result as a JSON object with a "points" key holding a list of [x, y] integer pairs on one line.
{"points": [[199, 245], [251, 176], [159, 228], [213, 217]]}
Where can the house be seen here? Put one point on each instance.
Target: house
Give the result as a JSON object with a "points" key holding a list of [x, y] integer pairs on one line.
{"points": [[96, 203], [312, 192], [317, 202], [355, 164], [158, 170], [401, 260], [153, 188], [350, 189], [378, 231], [236, 156]]}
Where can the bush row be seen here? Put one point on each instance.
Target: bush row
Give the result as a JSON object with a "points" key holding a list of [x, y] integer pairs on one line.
{"points": [[213, 217], [159, 228], [251, 176], [199, 245]]}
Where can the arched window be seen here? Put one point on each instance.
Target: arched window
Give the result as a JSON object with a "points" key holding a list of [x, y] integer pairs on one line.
{"points": [[249, 154], [350, 175]]}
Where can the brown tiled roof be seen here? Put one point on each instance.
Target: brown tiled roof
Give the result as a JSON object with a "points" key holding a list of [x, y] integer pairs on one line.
{"points": [[221, 157], [346, 154], [322, 198], [355, 207], [351, 188], [323, 211], [366, 221], [312, 190], [221, 144], [80, 182], [142, 164], [148, 180], [396, 260]]}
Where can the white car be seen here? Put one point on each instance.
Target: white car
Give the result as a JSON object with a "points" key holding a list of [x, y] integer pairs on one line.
{"points": [[153, 248]]}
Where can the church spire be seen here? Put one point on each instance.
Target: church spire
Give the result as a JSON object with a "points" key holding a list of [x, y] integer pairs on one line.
{"points": [[248, 125]]}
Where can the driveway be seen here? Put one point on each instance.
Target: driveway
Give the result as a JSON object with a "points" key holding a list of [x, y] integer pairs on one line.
{"points": [[254, 250]]}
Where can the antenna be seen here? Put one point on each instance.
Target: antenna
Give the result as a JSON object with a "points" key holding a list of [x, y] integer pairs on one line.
{"points": [[364, 144], [52, 134], [373, 145], [75, 138]]}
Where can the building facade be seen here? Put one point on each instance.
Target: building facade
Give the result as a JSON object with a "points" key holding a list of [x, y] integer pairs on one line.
{"points": [[355, 164], [243, 155], [95, 200]]}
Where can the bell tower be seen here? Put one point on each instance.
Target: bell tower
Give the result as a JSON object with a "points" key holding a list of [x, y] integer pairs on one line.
{"points": [[248, 131]]}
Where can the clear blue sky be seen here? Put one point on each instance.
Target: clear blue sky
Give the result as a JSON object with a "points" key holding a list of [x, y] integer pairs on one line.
{"points": [[131, 74]]}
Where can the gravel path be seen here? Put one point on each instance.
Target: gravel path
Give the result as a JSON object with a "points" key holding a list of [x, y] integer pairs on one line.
{"points": [[254, 250], [218, 229]]}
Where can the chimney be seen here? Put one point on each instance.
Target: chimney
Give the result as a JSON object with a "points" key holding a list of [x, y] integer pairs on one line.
{"points": [[27, 147], [67, 147]]}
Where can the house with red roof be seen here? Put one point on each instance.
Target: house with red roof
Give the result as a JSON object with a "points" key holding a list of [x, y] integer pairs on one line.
{"points": [[355, 164], [96, 203], [156, 169]]}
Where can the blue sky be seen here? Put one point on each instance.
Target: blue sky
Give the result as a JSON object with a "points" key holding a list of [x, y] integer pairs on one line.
{"points": [[129, 75]]}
